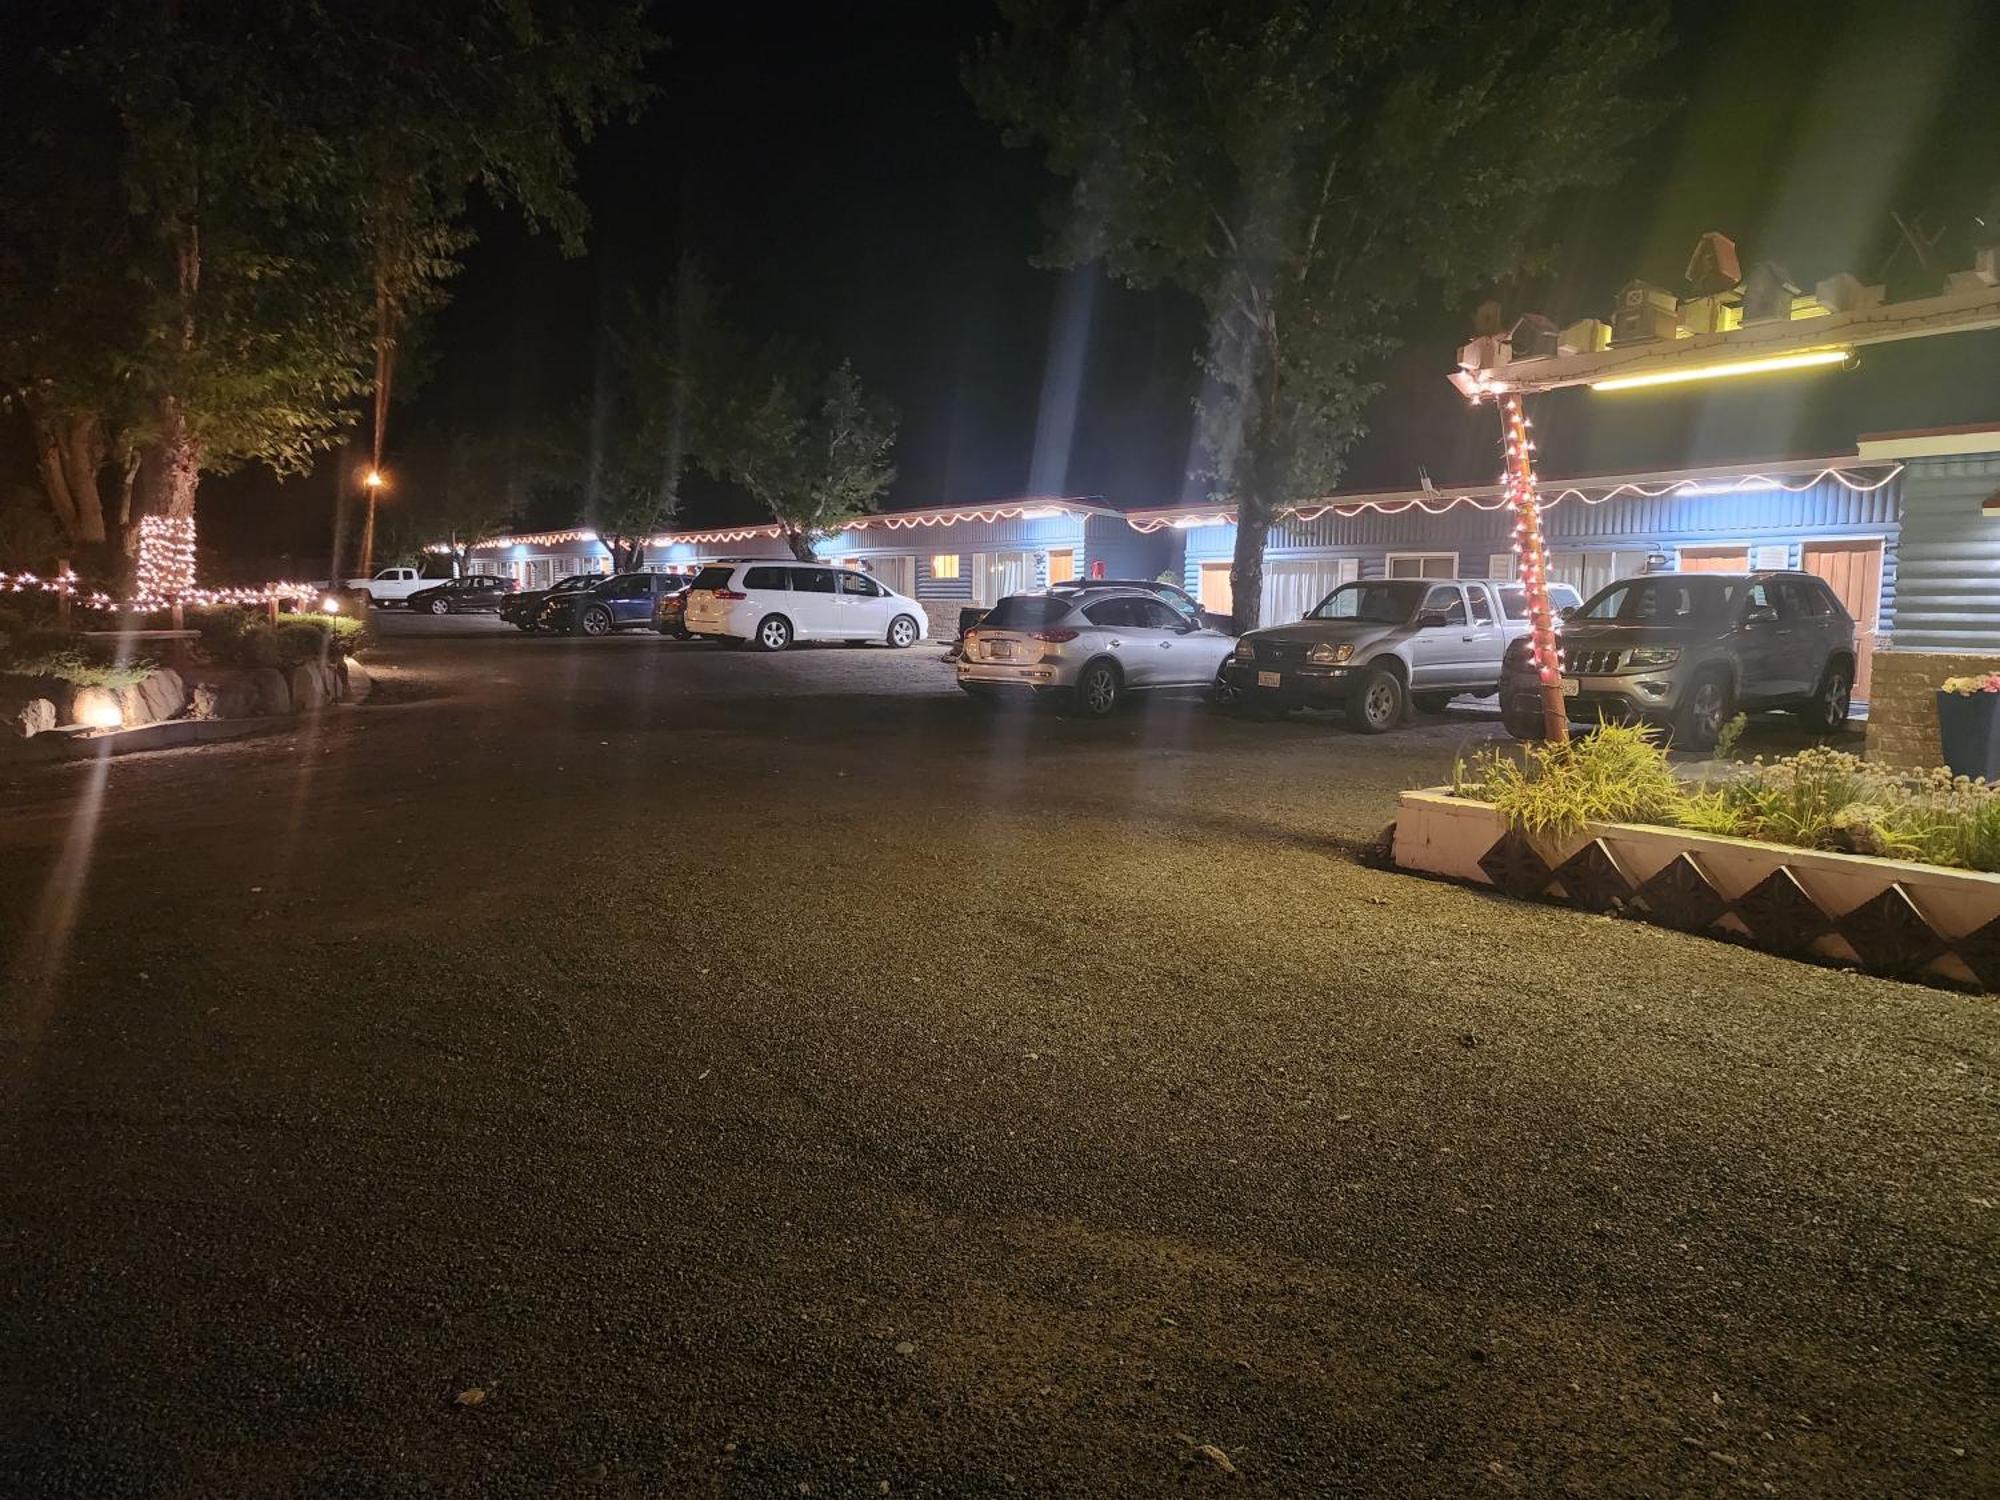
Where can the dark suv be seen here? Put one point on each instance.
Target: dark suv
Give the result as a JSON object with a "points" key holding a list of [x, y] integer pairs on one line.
{"points": [[624, 602], [1689, 650]]}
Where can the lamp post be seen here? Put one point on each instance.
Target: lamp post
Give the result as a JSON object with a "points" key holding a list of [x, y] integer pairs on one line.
{"points": [[373, 481]]}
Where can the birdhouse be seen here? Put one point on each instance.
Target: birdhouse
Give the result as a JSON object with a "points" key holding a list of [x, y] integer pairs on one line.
{"points": [[1715, 314], [1534, 337], [1712, 268], [1768, 293], [1986, 265], [1843, 293], [1585, 336], [1488, 352], [1645, 313]]}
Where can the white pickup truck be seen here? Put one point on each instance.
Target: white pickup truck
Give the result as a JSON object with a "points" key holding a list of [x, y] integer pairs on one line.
{"points": [[391, 585]]}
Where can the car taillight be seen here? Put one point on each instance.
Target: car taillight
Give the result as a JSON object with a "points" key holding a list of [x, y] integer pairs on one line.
{"points": [[1054, 637], [732, 595]]}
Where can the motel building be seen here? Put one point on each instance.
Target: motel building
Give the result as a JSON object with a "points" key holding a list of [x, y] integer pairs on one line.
{"points": [[1905, 527]]}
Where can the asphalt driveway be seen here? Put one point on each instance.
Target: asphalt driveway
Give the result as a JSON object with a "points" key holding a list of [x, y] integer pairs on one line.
{"points": [[629, 1068]]}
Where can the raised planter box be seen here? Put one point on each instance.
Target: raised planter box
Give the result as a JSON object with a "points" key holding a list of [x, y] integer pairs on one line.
{"points": [[1889, 917]]}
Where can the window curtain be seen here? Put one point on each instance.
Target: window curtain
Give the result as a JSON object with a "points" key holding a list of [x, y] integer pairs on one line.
{"points": [[1293, 588]]}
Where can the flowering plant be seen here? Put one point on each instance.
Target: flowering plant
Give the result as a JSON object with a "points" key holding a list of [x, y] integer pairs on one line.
{"points": [[1986, 682]]}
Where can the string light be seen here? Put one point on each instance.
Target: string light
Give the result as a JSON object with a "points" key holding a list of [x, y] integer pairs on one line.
{"points": [[68, 584], [164, 574]]}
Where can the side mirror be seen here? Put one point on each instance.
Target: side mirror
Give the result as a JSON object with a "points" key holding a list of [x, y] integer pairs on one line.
{"points": [[1567, 612], [1761, 615], [1430, 619]]}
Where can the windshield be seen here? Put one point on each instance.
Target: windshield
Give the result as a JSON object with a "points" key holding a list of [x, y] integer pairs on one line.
{"points": [[1667, 599], [1378, 603], [575, 581], [712, 577], [1027, 612]]}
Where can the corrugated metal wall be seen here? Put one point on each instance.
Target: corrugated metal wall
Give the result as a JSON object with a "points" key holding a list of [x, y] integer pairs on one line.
{"points": [[1124, 552], [1826, 509], [1948, 581]]}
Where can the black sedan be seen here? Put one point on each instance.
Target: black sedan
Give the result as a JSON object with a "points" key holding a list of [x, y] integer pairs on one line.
{"points": [[521, 609], [475, 593]]}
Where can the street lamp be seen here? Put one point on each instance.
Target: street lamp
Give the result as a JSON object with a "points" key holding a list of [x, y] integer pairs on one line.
{"points": [[374, 481]]}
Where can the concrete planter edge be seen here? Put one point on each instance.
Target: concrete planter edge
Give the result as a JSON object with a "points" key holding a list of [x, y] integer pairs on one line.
{"points": [[1887, 916]]}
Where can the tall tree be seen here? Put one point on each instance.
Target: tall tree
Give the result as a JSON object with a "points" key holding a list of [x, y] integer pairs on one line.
{"points": [[816, 454], [1311, 170], [266, 192]]}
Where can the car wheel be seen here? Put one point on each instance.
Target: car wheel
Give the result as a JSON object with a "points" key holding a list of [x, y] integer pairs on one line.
{"points": [[1431, 703], [902, 632], [594, 622], [774, 633], [1523, 726], [1707, 709], [440, 607], [1377, 704], [1827, 712], [1098, 689]]}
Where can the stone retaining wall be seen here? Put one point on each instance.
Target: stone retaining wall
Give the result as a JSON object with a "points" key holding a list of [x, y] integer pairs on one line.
{"points": [[1902, 703]]}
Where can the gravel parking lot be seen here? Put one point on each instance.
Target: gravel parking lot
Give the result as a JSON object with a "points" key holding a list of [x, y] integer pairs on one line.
{"points": [[631, 1068]]}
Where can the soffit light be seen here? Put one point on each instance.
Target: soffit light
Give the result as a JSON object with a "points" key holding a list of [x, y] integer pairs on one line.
{"points": [[1805, 359]]}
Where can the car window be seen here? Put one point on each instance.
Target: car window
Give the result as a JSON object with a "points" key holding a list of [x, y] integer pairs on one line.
{"points": [[633, 588], [1157, 614], [1761, 595], [854, 583], [712, 578], [1027, 612], [1448, 602], [812, 580], [1561, 597], [1482, 608], [1111, 613], [767, 578], [1804, 598], [1663, 599], [1377, 603]]}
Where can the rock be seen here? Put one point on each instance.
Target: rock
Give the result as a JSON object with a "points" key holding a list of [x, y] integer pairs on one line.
{"points": [[308, 687], [336, 684], [205, 702], [97, 707], [36, 716], [273, 697], [132, 706], [165, 691], [359, 683]]}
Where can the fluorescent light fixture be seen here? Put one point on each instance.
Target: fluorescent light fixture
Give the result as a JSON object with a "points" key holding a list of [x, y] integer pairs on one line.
{"points": [[1754, 485], [1805, 359]]}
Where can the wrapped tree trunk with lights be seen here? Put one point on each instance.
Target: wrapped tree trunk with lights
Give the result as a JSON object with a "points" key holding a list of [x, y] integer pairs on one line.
{"points": [[1524, 500]]}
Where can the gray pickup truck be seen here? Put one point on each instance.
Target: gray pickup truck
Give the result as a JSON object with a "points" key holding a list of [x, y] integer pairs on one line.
{"points": [[1378, 647]]}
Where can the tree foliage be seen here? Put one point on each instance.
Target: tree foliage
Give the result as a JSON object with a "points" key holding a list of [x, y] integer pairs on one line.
{"points": [[232, 196], [814, 452], [1311, 171]]}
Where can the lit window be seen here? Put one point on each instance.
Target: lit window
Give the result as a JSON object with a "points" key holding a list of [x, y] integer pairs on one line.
{"points": [[1062, 566], [945, 565]]}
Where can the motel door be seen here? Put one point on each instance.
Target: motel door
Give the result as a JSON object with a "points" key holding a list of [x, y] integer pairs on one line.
{"points": [[1216, 594], [1853, 570], [1714, 560]]}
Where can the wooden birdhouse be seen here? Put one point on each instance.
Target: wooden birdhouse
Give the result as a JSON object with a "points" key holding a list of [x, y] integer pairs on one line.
{"points": [[1585, 336], [1845, 293], [1534, 337], [1768, 294], [1713, 269], [1645, 313]]}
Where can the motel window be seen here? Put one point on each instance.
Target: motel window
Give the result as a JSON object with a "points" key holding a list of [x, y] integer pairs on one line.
{"points": [[1503, 566], [945, 565], [1423, 564]]}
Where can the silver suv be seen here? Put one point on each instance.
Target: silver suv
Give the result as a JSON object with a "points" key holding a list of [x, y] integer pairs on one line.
{"points": [[1688, 650], [1376, 647]]}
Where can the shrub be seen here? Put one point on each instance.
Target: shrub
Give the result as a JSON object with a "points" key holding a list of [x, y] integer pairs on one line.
{"points": [[1616, 774], [243, 638], [71, 659]]}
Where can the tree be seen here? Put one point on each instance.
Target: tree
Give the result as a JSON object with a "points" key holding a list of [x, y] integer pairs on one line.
{"points": [[815, 454], [457, 494], [246, 202], [1311, 171]]}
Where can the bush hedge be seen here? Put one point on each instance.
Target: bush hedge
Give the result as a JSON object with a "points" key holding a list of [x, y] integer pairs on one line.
{"points": [[30, 650]]}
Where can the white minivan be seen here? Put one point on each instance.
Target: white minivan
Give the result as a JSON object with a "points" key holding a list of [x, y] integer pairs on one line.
{"points": [[772, 604]]}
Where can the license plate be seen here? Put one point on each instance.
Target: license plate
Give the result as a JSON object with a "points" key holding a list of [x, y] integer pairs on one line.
{"points": [[1268, 679], [1571, 687], [1000, 651]]}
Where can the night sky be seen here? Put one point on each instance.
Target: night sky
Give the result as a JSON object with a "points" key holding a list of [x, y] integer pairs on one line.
{"points": [[827, 164]]}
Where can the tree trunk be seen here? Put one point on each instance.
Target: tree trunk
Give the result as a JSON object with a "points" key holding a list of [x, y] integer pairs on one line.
{"points": [[169, 469], [801, 545], [69, 452], [1246, 565]]}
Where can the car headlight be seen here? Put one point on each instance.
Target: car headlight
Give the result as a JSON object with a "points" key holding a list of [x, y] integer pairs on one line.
{"points": [[1327, 654], [1245, 650], [1647, 657]]}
